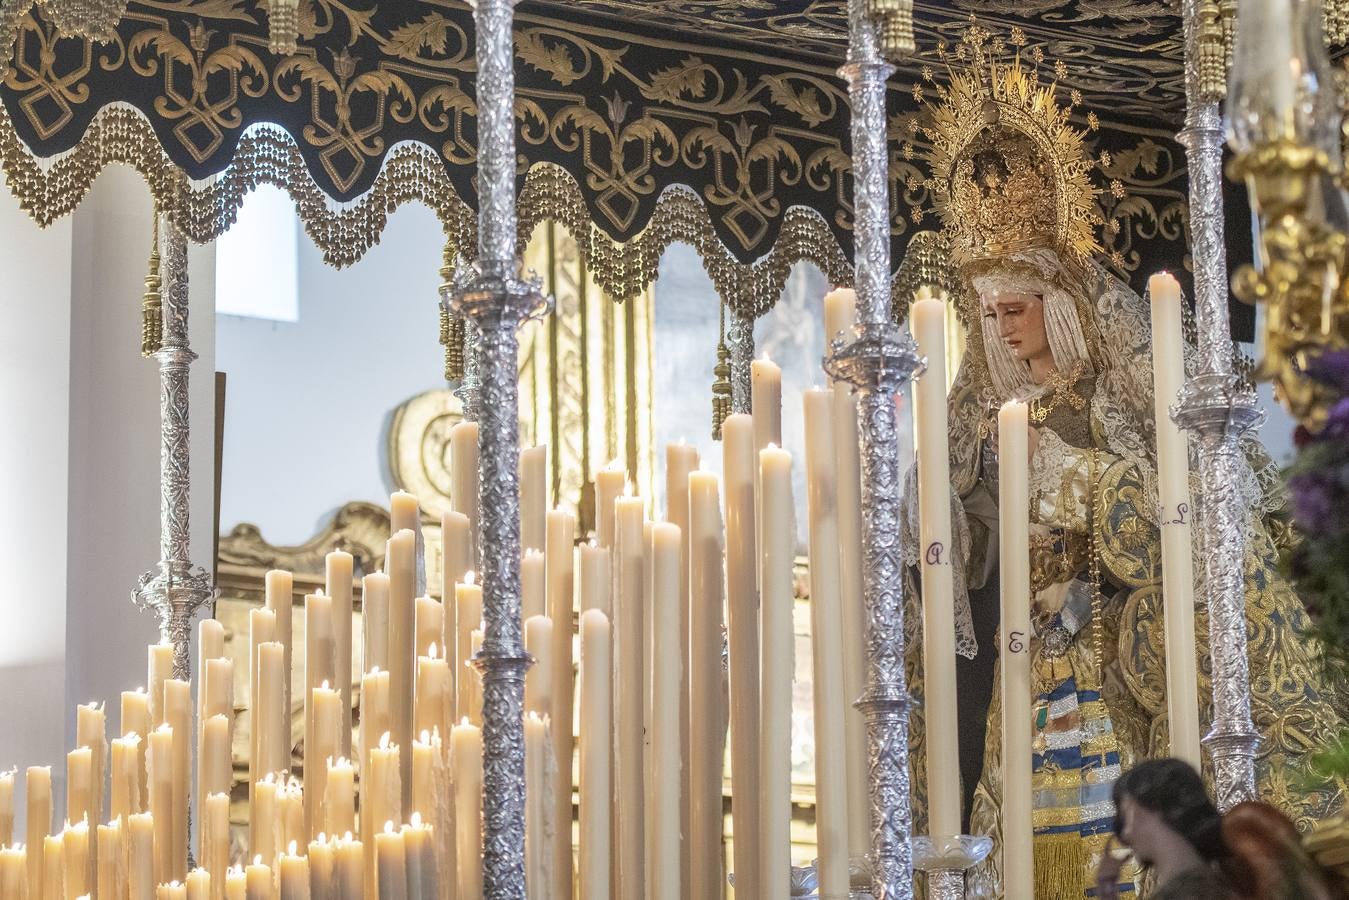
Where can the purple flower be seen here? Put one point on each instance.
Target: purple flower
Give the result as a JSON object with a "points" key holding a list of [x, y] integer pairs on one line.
{"points": [[1331, 368], [1315, 497]]}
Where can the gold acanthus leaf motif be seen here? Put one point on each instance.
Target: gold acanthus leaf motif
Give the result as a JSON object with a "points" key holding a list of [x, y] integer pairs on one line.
{"points": [[555, 60], [430, 35]]}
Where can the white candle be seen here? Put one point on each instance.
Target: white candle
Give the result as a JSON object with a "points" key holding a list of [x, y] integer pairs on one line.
{"points": [[320, 668], [609, 483], [262, 819], [595, 747], [127, 776], [466, 756], [215, 841], [419, 848], [560, 563], [258, 881], [1173, 483], [261, 631], [159, 761], [140, 856], [707, 729], [160, 671], [433, 693], [538, 796], [380, 799], [766, 402], [14, 879], [135, 719], [840, 313], [215, 719], [91, 731], [680, 460], [112, 864], [458, 551], [293, 875], [199, 884], [596, 577], [339, 803], [7, 808], [468, 615], [321, 859], [75, 852], [337, 567], [533, 584], [538, 680], [391, 861], [928, 320], [375, 621], [38, 799], [831, 749], [464, 477], [667, 673], [178, 715], [533, 497], [775, 763], [430, 624], [323, 745], [401, 562], [629, 718], [216, 769], [53, 867], [279, 589], [349, 869], [739, 464], [273, 724], [1014, 574]]}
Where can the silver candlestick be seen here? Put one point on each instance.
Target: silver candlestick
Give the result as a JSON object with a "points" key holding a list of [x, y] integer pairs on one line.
{"points": [[496, 300], [878, 361], [173, 589], [740, 338], [1218, 411], [944, 861]]}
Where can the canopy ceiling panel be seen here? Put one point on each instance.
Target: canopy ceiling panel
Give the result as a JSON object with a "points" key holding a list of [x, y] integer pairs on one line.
{"points": [[719, 122]]}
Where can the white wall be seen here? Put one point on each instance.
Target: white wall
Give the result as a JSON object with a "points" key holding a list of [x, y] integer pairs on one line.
{"points": [[79, 464], [308, 403], [34, 407]]}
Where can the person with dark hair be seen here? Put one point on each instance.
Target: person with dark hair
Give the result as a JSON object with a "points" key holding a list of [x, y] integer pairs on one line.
{"points": [[1164, 815], [1268, 861]]}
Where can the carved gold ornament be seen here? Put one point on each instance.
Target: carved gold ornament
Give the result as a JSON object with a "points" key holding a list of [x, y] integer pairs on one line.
{"points": [[1010, 172]]}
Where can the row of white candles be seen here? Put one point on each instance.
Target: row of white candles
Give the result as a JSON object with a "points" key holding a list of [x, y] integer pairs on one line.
{"points": [[661, 699]]}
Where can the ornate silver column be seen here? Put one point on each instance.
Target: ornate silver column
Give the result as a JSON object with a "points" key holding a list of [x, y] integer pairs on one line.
{"points": [[496, 300], [740, 338], [877, 362], [1215, 408], [173, 589]]}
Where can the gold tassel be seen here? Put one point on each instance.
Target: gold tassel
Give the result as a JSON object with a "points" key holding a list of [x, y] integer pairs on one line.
{"points": [[896, 32], [1060, 865], [283, 21], [1336, 16], [1212, 49], [152, 310], [451, 326], [1228, 11], [721, 387]]}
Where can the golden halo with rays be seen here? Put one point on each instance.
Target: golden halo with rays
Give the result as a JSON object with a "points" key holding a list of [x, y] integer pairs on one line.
{"points": [[1010, 171]]}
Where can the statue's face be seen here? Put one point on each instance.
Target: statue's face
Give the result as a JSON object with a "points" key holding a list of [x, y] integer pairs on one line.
{"points": [[1020, 320]]}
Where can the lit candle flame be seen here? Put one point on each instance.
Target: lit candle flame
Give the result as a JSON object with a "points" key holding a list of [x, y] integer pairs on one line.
{"points": [[384, 741], [433, 651], [470, 578]]}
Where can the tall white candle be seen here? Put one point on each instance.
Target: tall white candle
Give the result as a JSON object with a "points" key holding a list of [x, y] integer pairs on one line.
{"points": [[609, 483], [595, 747], [7, 807], [464, 477], [775, 763], [1014, 574], [707, 729], [533, 497], [429, 615], [538, 796], [279, 591], [629, 718], [667, 673], [338, 585], [840, 313], [320, 668], [466, 756], [560, 568], [375, 622], [38, 819], [401, 562], [928, 320], [596, 578], [178, 715], [739, 465], [539, 678], [533, 584], [1173, 484], [831, 779], [680, 460], [468, 616]]}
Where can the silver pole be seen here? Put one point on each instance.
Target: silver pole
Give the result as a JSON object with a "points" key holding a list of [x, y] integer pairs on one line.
{"points": [[173, 590], [1216, 409], [877, 362], [496, 300]]}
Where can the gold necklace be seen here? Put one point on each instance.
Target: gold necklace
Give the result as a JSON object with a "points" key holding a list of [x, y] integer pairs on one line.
{"points": [[1059, 390]]}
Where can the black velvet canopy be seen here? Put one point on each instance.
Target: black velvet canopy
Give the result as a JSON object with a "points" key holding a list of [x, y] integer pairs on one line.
{"points": [[737, 101]]}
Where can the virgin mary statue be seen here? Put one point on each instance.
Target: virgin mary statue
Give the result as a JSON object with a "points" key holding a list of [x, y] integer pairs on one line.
{"points": [[1047, 324]]}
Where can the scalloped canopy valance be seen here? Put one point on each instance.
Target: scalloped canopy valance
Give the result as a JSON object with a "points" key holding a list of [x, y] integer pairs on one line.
{"points": [[721, 122]]}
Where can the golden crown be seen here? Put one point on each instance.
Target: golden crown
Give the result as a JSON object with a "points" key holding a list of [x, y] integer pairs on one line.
{"points": [[1009, 170]]}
